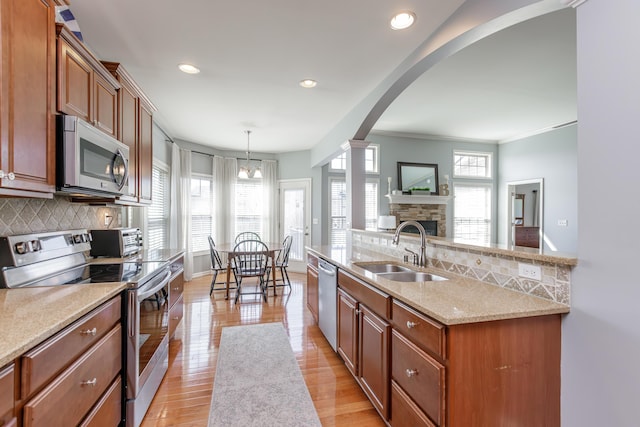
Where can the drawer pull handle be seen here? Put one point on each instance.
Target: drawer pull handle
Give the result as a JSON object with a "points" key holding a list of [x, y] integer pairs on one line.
{"points": [[411, 372], [411, 324], [93, 332], [176, 318], [176, 289], [90, 382]]}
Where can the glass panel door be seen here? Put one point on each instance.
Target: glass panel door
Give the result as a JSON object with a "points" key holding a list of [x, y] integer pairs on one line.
{"points": [[295, 219]]}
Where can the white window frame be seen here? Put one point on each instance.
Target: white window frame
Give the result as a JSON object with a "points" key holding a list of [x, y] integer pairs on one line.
{"points": [[201, 176], [489, 208], [487, 155], [163, 167], [260, 215], [374, 217]]}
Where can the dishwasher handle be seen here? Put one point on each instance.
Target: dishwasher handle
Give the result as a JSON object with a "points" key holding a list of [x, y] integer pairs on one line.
{"points": [[327, 268]]}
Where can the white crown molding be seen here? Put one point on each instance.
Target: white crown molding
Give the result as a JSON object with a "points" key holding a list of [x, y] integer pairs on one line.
{"points": [[355, 143], [572, 3]]}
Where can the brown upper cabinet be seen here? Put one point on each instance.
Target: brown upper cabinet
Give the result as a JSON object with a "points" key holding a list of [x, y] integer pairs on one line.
{"points": [[27, 118], [135, 127], [85, 88]]}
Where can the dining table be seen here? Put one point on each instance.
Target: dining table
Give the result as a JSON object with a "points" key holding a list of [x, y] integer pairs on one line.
{"points": [[273, 249]]}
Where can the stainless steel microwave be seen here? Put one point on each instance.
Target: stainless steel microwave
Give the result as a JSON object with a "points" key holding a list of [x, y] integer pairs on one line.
{"points": [[90, 162]]}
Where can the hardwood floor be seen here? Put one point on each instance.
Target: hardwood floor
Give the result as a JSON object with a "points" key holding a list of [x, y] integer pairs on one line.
{"points": [[185, 393]]}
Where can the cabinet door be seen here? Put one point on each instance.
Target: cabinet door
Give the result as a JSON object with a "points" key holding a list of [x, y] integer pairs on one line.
{"points": [[7, 387], [104, 106], [348, 331], [312, 292], [26, 120], [146, 153], [75, 83], [127, 130], [373, 367]]}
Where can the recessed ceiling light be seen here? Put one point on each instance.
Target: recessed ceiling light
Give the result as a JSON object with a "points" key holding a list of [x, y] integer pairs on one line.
{"points": [[403, 20], [308, 83], [188, 68]]}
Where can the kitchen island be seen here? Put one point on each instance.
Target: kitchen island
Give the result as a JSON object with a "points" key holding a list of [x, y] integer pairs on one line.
{"points": [[453, 352]]}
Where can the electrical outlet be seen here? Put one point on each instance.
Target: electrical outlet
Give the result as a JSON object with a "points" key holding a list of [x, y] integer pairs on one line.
{"points": [[528, 271], [563, 223]]}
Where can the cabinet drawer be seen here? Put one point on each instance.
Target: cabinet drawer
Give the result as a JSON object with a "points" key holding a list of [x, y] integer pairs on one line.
{"points": [[376, 301], [108, 411], [175, 288], [46, 360], [419, 375], [68, 398], [424, 332], [407, 413], [7, 387], [175, 316]]}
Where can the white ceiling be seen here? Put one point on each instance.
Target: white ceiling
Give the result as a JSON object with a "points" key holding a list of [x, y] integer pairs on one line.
{"points": [[252, 54]]}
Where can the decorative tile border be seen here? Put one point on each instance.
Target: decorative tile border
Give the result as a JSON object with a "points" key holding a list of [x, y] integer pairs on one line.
{"points": [[24, 216], [496, 269]]}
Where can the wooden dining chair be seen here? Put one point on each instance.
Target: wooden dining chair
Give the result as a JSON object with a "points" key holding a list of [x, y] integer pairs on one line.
{"points": [[250, 261], [247, 235], [282, 262], [217, 266]]}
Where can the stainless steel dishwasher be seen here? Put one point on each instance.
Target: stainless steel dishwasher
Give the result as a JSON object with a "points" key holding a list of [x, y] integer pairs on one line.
{"points": [[327, 297]]}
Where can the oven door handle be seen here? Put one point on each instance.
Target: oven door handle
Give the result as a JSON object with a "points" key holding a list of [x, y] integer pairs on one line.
{"points": [[147, 293]]}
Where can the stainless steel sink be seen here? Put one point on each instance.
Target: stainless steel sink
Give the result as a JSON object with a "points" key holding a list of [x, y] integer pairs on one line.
{"points": [[412, 276], [384, 268], [399, 273]]}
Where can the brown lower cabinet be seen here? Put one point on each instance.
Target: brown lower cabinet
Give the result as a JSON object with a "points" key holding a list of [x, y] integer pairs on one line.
{"points": [[74, 377], [363, 338], [312, 285], [176, 298], [419, 372]]}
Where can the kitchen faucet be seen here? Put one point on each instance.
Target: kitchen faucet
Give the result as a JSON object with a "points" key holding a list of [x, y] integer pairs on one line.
{"points": [[422, 262]]}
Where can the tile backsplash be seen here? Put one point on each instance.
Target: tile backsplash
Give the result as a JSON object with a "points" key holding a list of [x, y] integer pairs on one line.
{"points": [[23, 216], [484, 265]]}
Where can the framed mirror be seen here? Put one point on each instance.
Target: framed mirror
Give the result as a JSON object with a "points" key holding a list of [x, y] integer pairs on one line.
{"points": [[418, 176]]}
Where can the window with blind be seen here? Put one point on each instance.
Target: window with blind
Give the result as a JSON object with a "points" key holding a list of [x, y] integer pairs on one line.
{"points": [[338, 212], [472, 212], [338, 206], [249, 205], [158, 213], [471, 164], [201, 211]]}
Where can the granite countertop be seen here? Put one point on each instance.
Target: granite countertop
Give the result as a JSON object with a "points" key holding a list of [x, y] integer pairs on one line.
{"points": [[29, 316], [455, 301]]}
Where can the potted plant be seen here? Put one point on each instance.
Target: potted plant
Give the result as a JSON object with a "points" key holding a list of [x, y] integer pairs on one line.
{"points": [[420, 191]]}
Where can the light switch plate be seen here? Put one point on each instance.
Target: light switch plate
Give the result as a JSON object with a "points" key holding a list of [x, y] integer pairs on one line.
{"points": [[528, 271]]}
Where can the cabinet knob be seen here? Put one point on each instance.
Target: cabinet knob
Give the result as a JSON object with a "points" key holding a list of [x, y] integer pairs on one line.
{"points": [[2, 174], [93, 332], [411, 324], [11, 176], [411, 372], [90, 382]]}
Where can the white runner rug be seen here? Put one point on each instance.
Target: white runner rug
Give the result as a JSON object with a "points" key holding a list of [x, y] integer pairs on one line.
{"points": [[258, 381]]}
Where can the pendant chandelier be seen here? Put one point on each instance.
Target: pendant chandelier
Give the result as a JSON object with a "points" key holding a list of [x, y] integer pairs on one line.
{"points": [[246, 171]]}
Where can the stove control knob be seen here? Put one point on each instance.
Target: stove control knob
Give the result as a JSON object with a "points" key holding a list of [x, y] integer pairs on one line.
{"points": [[77, 238], [89, 237], [35, 245], [22, 248]]}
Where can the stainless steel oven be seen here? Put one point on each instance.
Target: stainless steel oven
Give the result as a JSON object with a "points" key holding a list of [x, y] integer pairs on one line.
{"points": [[89, 161], [147, 347]]}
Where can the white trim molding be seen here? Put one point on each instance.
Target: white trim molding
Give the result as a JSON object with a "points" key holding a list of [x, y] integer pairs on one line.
{"points": [[572, 3], [405, 199]]}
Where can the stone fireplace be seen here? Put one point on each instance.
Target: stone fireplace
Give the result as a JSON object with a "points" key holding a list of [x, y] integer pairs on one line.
{"points": [[421, 212]]}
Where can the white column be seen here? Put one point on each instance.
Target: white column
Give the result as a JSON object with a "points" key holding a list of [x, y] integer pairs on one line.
{"points": [[355, 178]]}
